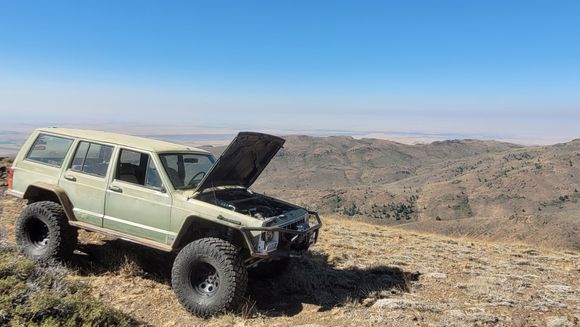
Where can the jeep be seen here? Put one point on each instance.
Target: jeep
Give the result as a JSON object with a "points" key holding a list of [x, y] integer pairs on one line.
{"points": [[165, 196]]}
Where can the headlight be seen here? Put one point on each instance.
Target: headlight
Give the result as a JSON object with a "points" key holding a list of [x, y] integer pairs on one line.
{"points": [[268, 242], [268, 236]]}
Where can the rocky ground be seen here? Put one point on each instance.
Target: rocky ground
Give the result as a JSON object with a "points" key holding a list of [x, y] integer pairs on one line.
{"points": [[4, 164], [359, 274]]}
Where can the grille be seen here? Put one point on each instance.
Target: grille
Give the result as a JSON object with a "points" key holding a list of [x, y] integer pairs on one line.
{"points": [[295, 225]]}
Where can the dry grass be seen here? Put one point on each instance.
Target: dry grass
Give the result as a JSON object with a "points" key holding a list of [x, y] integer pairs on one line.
{"points": [[39, 294], [358, 274]]}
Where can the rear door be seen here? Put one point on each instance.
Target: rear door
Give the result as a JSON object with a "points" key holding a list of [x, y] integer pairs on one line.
{"points": [[136, 200], [42, 162], [85, 181]]}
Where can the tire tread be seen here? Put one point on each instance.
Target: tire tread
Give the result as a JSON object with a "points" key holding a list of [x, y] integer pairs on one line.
{"points": [[63, 236], [228, 257]]}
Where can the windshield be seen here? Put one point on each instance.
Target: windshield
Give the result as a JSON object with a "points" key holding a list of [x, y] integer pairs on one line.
{"points": [[186, 170]]}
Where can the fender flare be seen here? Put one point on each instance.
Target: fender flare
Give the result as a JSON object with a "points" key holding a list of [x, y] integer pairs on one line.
{"points": [[33, 189], [188, 228]]}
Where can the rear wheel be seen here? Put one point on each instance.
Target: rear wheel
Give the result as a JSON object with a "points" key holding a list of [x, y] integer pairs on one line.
{"points": [[43, 232], [209, 277]]}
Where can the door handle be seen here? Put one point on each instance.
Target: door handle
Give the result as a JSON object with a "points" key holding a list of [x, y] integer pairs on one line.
{"points": [[70, 178], [115, 189]]}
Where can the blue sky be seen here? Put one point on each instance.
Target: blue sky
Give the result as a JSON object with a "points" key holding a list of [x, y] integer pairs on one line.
{"points": [[507, 69]]}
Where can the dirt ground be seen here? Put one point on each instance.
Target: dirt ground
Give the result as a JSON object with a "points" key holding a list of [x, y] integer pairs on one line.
{"points": [[359, 274]]}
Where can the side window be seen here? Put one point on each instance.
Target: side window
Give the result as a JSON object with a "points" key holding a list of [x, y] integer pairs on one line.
{"points": [[49, 149], [79, 158], [152, 178], [137, 168], [92, 158]]}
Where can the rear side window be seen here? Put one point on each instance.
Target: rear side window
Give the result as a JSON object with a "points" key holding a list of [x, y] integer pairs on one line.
{"points": [[92, 158], [49, 149], [137, 168]]}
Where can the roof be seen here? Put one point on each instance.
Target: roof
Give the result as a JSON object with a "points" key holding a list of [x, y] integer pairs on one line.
{"points": [[137, 142]]}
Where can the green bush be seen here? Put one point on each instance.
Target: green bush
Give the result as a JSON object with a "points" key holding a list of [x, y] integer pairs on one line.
{"points": [[37, 294], [351, 210]]}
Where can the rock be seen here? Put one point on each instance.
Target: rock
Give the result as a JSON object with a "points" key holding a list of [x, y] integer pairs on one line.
{"points": [[558, 288], [503, 304], [532, 252], [558, 322], [483, 318], [393, 304], [436, 275], [455, 313], [368, 302]]}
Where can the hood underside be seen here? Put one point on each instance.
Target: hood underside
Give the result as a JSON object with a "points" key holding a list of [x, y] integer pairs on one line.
{"points": [[242, 161]]}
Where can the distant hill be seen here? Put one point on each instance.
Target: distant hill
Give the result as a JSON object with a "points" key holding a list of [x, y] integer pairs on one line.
{"points": [[342, 161], [486, 189]]}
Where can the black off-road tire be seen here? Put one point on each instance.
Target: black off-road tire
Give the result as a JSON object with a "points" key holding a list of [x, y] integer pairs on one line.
{"points": [[201, 295], [43, 232], [270, 268]]}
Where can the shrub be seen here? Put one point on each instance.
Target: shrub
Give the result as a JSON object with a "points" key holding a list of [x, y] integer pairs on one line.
{"points": [[37, 294], [351, 210]]}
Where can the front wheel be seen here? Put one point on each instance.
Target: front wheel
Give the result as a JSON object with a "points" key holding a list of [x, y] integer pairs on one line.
{"points": [[209, 277]]}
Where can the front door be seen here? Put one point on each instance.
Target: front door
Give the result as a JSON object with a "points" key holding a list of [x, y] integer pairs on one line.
{"points": [[136, 202], [85, 181]]}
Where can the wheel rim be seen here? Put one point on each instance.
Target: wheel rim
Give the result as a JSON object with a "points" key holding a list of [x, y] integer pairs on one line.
{"points": [[37, 232], [204, 279]]}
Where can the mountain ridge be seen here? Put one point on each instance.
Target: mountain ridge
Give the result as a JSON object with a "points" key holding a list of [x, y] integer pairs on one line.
{"points": [[526, 193]]}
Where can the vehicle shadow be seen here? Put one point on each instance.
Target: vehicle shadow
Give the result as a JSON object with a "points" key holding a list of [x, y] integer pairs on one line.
{"points": [[310, 279], [123, 257]]}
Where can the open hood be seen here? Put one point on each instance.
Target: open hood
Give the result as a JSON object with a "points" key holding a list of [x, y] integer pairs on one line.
{"points": [[242, 161]]}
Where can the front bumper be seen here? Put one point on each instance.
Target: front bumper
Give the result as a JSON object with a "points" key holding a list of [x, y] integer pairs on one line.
{"points": [[289, 240]]}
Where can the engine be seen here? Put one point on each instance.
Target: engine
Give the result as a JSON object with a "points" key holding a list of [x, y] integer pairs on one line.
{"points": [[248, 203]]}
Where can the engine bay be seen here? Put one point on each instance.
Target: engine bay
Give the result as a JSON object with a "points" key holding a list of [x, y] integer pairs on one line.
{"points": [[243, 201]]}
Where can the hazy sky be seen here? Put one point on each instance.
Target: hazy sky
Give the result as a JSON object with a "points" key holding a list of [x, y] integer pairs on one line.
{"points": [[506, 69]]}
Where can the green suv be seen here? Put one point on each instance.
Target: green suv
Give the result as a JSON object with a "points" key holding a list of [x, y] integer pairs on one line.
{"points": [[162, 195]]}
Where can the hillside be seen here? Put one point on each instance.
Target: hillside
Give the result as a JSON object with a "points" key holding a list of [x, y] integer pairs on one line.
{"points": [[485, 189], [359, 274], [342, 161]]}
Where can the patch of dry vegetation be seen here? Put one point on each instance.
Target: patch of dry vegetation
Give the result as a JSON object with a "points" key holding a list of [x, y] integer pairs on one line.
{"points": [[363, 274], [38, 294], [369, 274], [358, 274]]}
